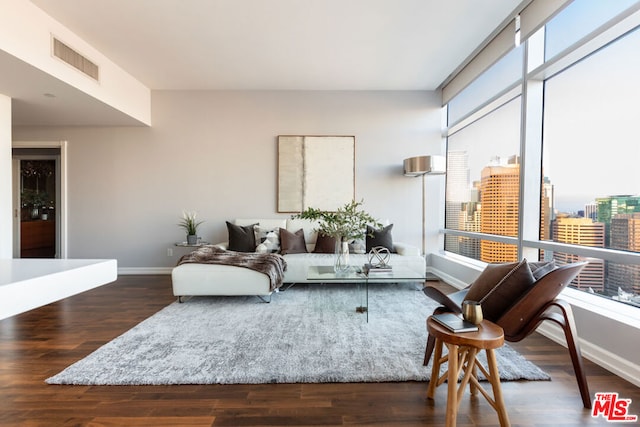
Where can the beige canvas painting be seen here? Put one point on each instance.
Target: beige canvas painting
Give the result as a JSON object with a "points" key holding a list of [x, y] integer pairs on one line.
{"points": [[315, 171]]}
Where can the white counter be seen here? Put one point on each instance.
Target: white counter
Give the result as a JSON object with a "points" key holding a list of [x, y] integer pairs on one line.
{"points": [[28, 283]]}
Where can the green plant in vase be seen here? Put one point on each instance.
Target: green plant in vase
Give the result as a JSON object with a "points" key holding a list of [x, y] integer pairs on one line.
{"points": [[34, 200], [190, 226], [345, 225]]}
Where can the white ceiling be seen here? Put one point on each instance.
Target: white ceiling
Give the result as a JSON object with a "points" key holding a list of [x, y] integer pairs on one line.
{"points": [[283, 44]]}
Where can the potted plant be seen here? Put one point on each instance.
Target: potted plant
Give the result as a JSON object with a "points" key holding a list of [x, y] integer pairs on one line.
{"points": [[346, 224], [33, 200], [190, 225]]}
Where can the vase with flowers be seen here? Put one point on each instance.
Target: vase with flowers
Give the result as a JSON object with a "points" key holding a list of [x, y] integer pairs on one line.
{"points": [[35, 201], [345, 225], [190, 226]]}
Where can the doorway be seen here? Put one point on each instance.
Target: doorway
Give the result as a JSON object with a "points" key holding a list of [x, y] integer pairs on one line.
{"points": [[38, 195]]}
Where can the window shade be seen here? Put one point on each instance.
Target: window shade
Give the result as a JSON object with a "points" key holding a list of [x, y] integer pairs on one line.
{"points": [[532, 17], [537, 13], [496, 49]]}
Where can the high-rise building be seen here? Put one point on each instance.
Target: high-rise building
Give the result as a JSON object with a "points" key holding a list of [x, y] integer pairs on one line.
{"points": [[457, 194], [584, 232], [625, 235], [591, 211], [546, 209], [470, 221], [609, 207], [578, 231], [499, 190]]}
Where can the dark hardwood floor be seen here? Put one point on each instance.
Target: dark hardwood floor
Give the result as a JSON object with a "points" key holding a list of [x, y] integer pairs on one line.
{"points": [[40, 343]]}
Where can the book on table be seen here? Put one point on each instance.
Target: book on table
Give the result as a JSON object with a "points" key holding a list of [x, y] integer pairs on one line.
{"points": [[454, 322], [373, 270]]}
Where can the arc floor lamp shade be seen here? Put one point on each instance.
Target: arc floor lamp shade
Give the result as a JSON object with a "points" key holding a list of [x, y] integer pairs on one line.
{"points": [[425, 165]]}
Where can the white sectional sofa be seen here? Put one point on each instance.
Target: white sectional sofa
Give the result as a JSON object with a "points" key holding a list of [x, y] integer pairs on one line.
{"points": [[208, 279]]}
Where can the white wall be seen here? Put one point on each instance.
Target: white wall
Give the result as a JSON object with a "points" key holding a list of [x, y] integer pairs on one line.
{"points": [[216, 153], [6, 198]]}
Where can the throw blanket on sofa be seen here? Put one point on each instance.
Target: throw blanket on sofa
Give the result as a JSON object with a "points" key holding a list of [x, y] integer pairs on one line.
{"points": [[273, 265]]}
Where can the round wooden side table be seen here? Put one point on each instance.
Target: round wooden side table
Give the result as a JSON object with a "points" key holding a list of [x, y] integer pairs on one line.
{"points": [[463, 347]]}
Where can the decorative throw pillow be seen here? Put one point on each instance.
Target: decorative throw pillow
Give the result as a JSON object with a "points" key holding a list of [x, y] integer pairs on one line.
{"points": [[241, 238], [267, 239], [292, 243], [488, 279], [540, 268], [499, 286], [381, 237], [325, 244]]}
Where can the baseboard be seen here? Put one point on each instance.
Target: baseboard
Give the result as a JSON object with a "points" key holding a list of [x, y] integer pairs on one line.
{"points": [[598, 355], [449, 280], [144, 270]]}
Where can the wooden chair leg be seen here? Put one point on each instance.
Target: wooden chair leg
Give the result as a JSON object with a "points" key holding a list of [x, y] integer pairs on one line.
{"points": [[452, 386], [469, 363], [435, 370], [431, 342], [494, 379], [472, 386], [569, 327]]}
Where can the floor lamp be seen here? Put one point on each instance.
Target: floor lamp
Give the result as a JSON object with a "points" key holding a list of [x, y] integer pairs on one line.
{"points": [[423, 166]]}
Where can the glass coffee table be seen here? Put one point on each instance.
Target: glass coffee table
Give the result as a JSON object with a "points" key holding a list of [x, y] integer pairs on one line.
{"points": [[356, 275]]}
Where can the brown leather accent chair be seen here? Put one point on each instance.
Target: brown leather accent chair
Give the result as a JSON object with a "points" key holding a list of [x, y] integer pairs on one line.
{"points": [[537, 304]]}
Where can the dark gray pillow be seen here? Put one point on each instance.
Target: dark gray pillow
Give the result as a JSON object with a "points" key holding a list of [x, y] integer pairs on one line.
{"points": [[241, 237], [488, 279], [499, 286], [381, 237], [325, 244], [292, 243]]}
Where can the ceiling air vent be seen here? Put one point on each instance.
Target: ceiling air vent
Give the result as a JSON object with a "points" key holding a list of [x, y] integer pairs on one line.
{"points": [[73, 58]]}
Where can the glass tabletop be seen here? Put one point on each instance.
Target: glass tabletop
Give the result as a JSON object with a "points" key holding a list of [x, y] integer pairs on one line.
{"points": [[327, 273], [358, 276]]}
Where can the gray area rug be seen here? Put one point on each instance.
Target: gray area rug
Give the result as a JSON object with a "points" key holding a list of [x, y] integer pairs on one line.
{"points": [[307, 334]]}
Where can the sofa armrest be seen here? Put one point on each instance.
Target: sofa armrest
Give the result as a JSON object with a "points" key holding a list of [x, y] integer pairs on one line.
{"points": [[406, 249]]}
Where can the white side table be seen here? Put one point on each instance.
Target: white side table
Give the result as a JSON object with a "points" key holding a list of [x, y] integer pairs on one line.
{"points": [[187, 245]]}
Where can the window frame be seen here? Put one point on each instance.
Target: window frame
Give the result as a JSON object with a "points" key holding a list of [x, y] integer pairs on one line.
{"points": [[531, 88]]}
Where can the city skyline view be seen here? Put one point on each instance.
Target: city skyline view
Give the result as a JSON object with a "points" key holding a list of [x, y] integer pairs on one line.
{"points": [[589, 113], [573, 197], [489, 203]]}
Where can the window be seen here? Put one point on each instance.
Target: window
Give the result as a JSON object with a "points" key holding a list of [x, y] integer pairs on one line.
{"points": [[501, 75], [572, 193], [483, 184], [579, 19], [596, 198]]}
